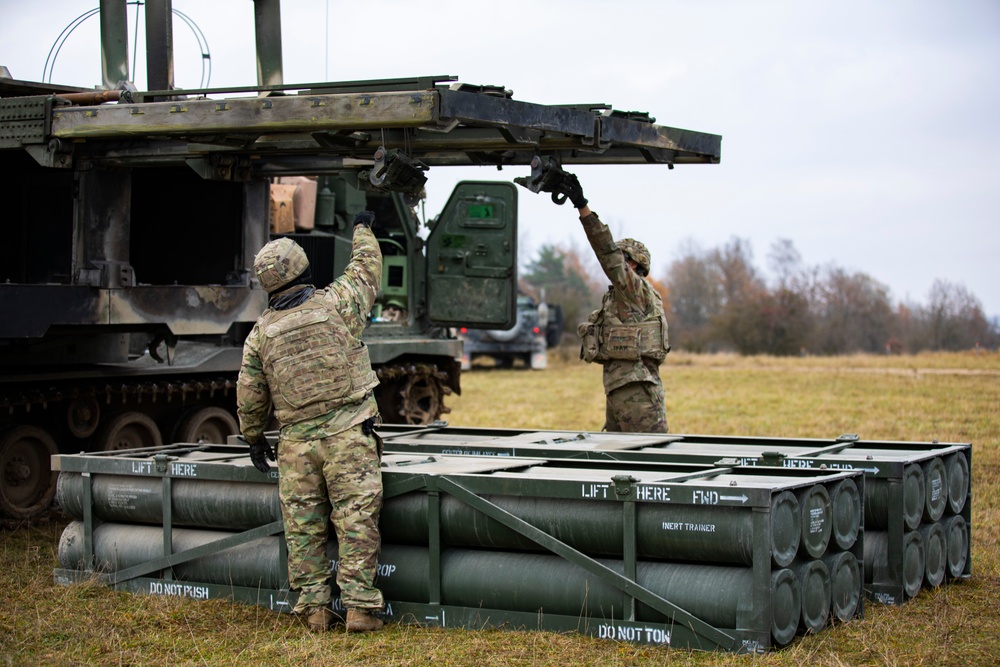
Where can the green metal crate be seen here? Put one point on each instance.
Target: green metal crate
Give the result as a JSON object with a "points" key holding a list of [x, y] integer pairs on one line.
{"points": [[512, 542]]}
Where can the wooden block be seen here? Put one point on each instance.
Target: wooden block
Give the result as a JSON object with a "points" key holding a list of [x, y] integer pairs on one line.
{"points": [[282, 208]]}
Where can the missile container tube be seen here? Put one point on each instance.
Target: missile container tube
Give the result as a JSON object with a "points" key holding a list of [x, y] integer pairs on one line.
{"points": [[717, 557], [916, 497]]}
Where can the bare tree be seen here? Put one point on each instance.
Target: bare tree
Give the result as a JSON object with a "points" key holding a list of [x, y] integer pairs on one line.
{"points": [[785, 321], [786, 264], [718, 300], [790, 318], [854, 313], [695, 290], [738, 322], [954, 319]]}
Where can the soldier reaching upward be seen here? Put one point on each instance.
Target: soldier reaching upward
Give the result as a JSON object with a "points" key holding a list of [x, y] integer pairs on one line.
{"points": [[305, 356], [628, 335]]}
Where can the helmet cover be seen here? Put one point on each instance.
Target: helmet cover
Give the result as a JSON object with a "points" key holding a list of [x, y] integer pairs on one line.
{"points": [[278, 263], [637, 252]]}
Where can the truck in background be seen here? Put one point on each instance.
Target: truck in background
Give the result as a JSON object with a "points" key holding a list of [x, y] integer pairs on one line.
{"points": [[538, 328]]}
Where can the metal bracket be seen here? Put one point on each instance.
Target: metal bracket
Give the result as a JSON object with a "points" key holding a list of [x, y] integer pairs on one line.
{"points": [[161, 462], [623, 485], [772, 458]]}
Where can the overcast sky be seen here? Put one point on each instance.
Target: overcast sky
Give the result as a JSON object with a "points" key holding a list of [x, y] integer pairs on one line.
{"points": [[864, 131]]}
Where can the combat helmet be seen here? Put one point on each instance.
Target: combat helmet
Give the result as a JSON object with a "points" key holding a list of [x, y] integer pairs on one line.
{"points": [[278, 263], [637, 252]]}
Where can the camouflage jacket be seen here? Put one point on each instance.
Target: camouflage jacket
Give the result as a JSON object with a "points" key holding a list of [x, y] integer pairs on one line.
{"points": [[327, 386], [630, 299]]}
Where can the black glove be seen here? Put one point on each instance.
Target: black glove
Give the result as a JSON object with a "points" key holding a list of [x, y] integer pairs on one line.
{"points": [[548, 176], [571, 188], [368, 428], [260, 450], [366, 218]]}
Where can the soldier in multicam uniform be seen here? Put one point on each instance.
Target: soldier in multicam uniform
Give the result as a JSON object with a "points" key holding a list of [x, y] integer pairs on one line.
{"points": [[628, 335], [305, 357]]}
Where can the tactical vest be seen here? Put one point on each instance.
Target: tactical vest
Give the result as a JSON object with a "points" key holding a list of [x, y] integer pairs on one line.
{"points": [[605, 338], [312, 362]]}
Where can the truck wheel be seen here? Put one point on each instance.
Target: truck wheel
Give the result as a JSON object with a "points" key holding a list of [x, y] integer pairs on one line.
{"points": [[211, 425], [129, 430], [27, 482]]}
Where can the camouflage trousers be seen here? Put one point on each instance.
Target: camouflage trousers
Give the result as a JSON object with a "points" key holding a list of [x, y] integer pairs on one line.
{"points": [[332, 481], [637, 407]]}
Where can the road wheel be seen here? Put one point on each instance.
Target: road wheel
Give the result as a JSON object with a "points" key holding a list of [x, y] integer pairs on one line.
{"points": [[83, 415], [129, 430], [211, 425], [422, 396], [27, 482]]}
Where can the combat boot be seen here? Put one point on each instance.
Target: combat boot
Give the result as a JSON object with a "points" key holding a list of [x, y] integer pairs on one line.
{"points": [[319, 619], [359, 620]]}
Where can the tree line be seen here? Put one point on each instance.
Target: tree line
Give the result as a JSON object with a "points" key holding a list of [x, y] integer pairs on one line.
{"points": [[719, 300]]}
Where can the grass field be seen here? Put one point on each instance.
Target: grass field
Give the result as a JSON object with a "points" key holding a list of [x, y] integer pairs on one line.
{"points": [[950, 397]]}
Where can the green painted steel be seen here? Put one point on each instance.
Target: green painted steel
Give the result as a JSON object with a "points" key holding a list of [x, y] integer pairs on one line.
{"points": [[958, 481], [935, 489], [686, 532], [847, 508], [689, 532], [547, 584], [786, 528], [817, 523], [956, 532], [224, 505], [267, 30], [693, 554], [114, 44], [722, 596], [404, 573], [879, 459], [880, 494], [877, 559], [816, 594], [906, 484], [121, 546], [935, 553], [845, 584]]}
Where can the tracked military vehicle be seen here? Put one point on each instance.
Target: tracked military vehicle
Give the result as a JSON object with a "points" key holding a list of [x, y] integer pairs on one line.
{"points": [[132, 219]]}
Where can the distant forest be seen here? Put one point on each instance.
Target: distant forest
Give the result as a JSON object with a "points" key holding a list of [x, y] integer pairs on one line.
{"points": [[718, 300]]}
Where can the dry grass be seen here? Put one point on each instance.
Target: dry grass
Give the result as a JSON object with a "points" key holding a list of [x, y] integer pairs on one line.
{"points": [[954, 398]]}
